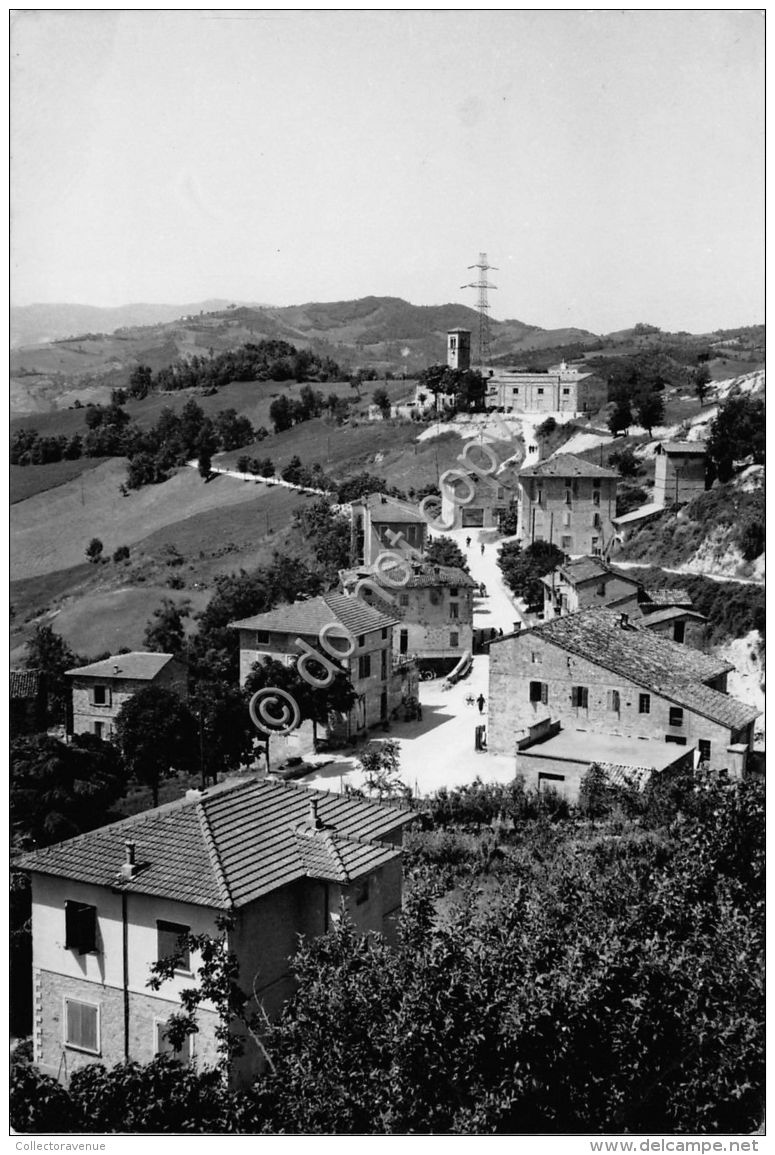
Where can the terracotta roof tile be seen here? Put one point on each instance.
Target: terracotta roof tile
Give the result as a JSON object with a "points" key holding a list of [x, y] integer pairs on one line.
{"points": [[566, 465], [309, 617], [230, 846], [25, 684], [138, 665]]}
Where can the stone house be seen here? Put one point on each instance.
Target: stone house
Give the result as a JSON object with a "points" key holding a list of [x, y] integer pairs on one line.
{"points": [[381, 523], [27, 705], [434, 608], [378, 680], [570, 502], [679, 472], [484, 501], [598, 672], [100, 689], [565, 391], [588, 582], [670, 612], [276, 858]]}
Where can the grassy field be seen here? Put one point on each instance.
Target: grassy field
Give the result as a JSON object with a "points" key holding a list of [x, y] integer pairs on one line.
{"points": [[50, 531], [116, 618], [27, 480]]}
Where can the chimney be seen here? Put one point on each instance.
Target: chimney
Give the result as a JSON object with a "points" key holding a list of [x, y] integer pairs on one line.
{"points": [[624, 621], [129, 867], [517, 627], [116, 669], [315, 820]]}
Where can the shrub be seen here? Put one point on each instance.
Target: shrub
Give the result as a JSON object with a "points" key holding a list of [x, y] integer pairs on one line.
{"points": [[121, 554]]}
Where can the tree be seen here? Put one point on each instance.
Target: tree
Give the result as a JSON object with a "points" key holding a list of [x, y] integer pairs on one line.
{"points": [[281, 414], [380, 763], [59, 790], [328, 533], [48, 652], [140, 381], [314, 704], [701, 380], [165, 633], [157, 736], [621, 417], [523, 569], [625, 461], [225, 732], [445, 551], [651, 410], [94, 550], [206, 445], [381, 399], [737, 432], [121, 553]]}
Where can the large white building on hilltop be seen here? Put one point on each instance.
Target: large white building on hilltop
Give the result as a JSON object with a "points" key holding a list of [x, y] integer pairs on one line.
{"points": [[563, 389]]}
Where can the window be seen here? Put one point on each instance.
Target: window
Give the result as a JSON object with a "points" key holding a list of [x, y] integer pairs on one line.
{"points": [[676, 716], [515, 389], [565, 392], [453, 611], [703, 747], [568, 497], [262, 637], [80, 927], [168, 943], [361, 890], [679, 631], [99, 729], [101, 695], [364, 666], [535, 658], [403, 599], [614, 701], [362, 640], [453, 343], [403, 642], [548, 780], [539, 692], [644, 703], [678, 739], [600, 591], [384, 635], [383, 668], [566, 543], [82, 1026], [596, 523], [453, 591], [454, 641], [596, 497], [540, 392], [566, 519], [500, 493], [596, 483], [164, 1047], [579, 697], [595, 546]]}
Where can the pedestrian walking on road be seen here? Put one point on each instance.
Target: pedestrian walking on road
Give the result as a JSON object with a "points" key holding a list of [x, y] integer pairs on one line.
{"points": [[468, 543], [482, 547], [480, 703]]}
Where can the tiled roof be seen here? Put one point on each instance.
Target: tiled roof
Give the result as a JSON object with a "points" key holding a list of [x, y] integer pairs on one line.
{"points": [[25, 684], [309, 617], [566, 465], [669, 597], [639, 514], [231, 845], [139, 666], [636, 776], [585, 569], [390, 509], [712, 704], [682, 447], [427, 575], [670, 614]]}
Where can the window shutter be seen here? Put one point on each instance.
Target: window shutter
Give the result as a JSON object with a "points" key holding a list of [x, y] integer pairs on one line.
{"points": [[544, 693]]}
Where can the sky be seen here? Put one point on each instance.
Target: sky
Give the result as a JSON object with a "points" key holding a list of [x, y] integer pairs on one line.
{"points": [[611, 164]]}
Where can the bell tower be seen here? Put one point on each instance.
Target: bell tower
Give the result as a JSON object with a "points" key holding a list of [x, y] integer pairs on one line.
{"points": [[459, 349]]}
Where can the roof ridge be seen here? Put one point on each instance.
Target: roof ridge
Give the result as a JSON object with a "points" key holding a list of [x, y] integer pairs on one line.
{"points": [[328, 835], [212, 854]]}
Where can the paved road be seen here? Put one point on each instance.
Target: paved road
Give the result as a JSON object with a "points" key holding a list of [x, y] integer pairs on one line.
{"points": [[685, 572]]}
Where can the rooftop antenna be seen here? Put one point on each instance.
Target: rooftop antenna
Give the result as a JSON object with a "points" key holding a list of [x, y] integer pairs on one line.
{"points": [[483, 306]]}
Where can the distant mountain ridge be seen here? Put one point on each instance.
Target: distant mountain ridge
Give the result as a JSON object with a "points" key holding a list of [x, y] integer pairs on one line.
{"points": [[39, 323]]}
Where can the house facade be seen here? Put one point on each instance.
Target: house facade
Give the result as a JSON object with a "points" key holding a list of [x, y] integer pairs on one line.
{"points": [[570, 502], [276, 859], [679, 472], [381, 523], [434, 608], [598, 672], [482, 502], [100, 689], [378, 679], [585, 583], [565, 390]]}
